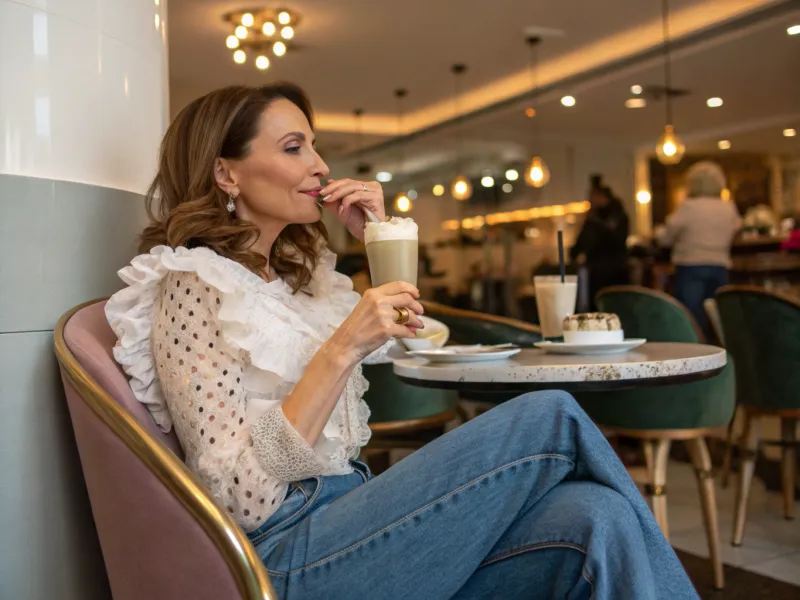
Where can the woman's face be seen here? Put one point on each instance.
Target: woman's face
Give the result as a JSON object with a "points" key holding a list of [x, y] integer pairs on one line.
{"points": [[280, 177]]}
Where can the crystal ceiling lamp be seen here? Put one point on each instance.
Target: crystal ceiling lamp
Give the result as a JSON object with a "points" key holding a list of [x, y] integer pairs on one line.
{"points": [[461, 188], [257, 33], [670, 148], [536, 173]]}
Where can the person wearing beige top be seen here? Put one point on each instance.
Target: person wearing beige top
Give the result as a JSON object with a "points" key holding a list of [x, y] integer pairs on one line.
{"points": [[700, 233]]}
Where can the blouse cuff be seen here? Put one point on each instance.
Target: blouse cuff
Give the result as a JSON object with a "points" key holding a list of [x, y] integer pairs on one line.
{"points": [[281, 451]]}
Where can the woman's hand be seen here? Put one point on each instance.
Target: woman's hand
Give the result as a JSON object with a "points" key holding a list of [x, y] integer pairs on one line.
{"points": [[343, 197], [372, 322]]}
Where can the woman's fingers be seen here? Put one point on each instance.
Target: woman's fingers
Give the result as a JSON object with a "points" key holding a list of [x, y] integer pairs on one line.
{"points": [[344, 187], [406, 300], [397, 287]]}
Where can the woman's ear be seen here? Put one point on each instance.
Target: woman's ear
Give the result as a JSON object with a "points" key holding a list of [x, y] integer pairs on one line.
{"points": [[224, 177]]}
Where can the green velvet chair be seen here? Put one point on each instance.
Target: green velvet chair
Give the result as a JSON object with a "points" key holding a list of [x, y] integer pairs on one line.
{"points": [[402, 415], [658, 416], [470, 327], [762, 332]]}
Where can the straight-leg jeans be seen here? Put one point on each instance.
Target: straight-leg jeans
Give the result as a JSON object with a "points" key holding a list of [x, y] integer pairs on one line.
{"points": [[526, 501]]}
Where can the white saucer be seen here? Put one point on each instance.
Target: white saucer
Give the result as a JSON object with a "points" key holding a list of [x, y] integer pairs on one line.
{"points": [[464, 354], [607, 348]]}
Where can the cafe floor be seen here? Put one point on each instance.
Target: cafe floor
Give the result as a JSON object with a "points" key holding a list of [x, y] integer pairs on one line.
{"points": [[771, 544]]}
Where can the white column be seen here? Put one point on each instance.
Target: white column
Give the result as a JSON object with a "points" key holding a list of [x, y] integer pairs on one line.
{"points": [[83, 105]]}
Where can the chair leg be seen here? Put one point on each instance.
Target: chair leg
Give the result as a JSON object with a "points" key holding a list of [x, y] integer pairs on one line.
{"points": [[788, 465], [656, 454], [749, 452], [727, 458], [705, 483]]}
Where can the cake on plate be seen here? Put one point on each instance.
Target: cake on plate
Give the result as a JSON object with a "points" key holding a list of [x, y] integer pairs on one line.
{"points": [[593, 328]]}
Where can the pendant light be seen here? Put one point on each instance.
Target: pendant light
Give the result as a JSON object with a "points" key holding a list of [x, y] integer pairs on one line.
{"points": [[670, 148], [536, 173], [402, 203], [461, 188]]}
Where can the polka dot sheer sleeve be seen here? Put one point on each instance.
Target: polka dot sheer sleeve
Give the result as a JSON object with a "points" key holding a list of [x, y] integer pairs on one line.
{"points": [[202, 381]]}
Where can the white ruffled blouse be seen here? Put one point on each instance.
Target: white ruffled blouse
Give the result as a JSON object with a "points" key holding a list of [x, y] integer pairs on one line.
{"points": [[213, 349]]}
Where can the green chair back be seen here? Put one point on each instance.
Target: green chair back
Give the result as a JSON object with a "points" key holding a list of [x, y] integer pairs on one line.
{"points": [[762, 331], [650, 314], [390, 399], [658, 317]]}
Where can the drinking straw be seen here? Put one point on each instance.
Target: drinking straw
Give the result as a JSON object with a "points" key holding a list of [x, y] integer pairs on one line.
{"points": [[561, 264]]}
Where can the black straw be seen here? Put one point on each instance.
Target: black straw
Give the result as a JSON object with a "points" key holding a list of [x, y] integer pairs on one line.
{"points": [[561, 264]]}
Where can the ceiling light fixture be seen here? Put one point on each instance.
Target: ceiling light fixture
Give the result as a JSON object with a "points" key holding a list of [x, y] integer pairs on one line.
{"points": [[512, 174], [793, 30], [636, 90], [438, 190], [568, 101], [724, 144], [253, 31], [789, 133], [643, 196], [402, 203], [383, 176], [536, 173], [508, 188], [635, 103], [487, 181], [461, 188], [714, 102], [669, 149]]}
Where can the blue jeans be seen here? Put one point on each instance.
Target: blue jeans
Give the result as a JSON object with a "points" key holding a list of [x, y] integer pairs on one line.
{"points": [[526, 501], [694, 285]]}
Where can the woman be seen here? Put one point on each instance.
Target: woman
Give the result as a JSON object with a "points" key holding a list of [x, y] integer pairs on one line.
{"points": [[236, 330], [602, 240], [700, 233]]}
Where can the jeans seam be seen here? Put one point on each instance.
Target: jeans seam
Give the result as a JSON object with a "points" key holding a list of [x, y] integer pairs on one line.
{"points": [[428, 505], [531, 548], [585, 574]]}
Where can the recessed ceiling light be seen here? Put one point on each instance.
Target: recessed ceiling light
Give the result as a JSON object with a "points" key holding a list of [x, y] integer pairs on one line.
{"points": [[635, 103], [568, 101], [714, 102], [793, 30], [724, 144], [412, 194], [512, 174], [383, 176], [508, 188], [643, 196], [438, 190], [789, 133], [487, 181], [636, 90]]}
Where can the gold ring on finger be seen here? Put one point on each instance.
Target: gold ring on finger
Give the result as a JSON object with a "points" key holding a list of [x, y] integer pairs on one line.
{"points": [[403, 316]]}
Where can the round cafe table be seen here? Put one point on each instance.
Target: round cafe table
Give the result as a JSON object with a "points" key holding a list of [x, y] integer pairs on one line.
{"points": [[651, 364]]}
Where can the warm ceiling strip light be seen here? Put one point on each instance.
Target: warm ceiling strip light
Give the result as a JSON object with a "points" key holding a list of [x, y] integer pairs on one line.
{"points": [[519, 216]]}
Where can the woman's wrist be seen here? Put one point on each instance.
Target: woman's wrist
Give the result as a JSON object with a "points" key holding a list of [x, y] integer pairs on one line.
{"points": [[338, 354]]}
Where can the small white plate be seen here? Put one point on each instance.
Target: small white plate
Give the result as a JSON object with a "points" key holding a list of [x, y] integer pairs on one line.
{"points": [[463, 354], [608, 348]]}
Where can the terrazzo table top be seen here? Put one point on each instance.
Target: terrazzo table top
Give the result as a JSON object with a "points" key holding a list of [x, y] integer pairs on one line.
{"points": [[532, 369]]}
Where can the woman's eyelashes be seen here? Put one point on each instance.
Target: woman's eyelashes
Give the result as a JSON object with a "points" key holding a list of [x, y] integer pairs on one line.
{"points": [[293, 149]]}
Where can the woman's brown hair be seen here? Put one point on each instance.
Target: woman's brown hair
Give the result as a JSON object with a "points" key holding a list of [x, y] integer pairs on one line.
{"points": [[186, 206]]}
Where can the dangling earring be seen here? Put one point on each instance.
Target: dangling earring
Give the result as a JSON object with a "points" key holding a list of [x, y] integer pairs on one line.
{"points": [[231, 206]]}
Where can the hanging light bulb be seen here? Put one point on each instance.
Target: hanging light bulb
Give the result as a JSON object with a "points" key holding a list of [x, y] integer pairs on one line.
{"points": [[240, 32], [262, 62], [287, 33], [402, 203], [537, 174], [232, 42], [461, 188], [438, 190], [239, 57], [247, 19], [268, 28], [279, 48], [670, 148], [284, 18]]}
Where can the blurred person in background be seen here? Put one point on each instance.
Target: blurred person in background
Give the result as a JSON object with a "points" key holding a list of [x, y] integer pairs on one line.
{"points": [[601, 244], [700, 233]]}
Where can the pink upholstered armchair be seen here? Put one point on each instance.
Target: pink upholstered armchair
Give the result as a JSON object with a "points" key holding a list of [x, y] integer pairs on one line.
{"points": [[162, 535]]}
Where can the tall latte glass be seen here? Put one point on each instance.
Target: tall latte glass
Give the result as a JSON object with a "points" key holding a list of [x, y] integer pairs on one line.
{"points": [[392, 249], [555, 300]]}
